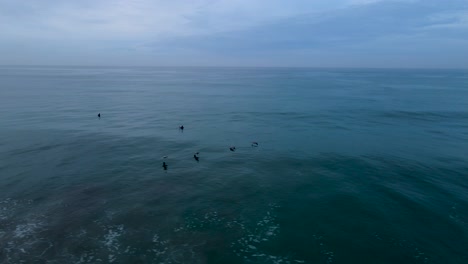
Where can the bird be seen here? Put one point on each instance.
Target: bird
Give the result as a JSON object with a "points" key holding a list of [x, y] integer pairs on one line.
{"points": [[196, 157], [232, 148], [164, 165], [99, 115], [181, 127], [254, 144]]}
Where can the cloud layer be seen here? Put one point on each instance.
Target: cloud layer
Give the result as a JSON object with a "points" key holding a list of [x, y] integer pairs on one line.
{"points": [[332, 33]]}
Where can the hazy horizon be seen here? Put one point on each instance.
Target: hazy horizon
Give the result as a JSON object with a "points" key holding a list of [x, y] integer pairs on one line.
{"points": [[413, 34], [234, 67]]}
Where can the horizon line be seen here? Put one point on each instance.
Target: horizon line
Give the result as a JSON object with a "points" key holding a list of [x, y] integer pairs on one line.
{"points": [[228, 66]]}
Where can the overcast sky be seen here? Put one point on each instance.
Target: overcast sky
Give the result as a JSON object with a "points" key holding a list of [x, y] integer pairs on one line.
{"points": [[316, 33]]}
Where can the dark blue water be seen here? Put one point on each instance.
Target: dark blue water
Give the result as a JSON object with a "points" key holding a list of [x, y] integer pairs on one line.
{"points": [[353, 166]]}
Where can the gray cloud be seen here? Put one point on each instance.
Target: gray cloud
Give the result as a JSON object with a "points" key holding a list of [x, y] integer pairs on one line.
{"points": [[327, 33]]}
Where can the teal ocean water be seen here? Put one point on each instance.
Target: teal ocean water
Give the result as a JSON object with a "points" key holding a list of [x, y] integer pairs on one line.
{"points": [[353, 166]]}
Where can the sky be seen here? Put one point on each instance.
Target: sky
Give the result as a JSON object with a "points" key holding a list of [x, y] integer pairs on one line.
{"points": [[276, 33]]}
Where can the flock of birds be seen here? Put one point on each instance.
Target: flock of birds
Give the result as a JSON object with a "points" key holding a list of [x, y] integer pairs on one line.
{"points": [[196, 155]]}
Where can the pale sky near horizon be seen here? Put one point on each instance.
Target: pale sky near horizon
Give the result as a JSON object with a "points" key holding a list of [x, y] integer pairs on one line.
{"points": [[310, 33]]}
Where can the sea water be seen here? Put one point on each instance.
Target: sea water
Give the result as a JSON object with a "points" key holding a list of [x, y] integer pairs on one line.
{"points": [[352, 166]]}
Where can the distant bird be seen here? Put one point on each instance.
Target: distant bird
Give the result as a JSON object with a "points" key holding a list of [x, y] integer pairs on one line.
{"points": [[254, 144], [181, 127], [196, 157], [164, 157], [99, 115], [164, 165], [232, 148]]}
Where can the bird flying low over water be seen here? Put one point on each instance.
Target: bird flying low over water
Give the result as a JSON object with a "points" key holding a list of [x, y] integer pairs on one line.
{"points": [[254, 144], [232, 148]]}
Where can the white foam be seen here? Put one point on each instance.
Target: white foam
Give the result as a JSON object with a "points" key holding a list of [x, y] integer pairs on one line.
{"points": [[111, 242], [249, 247], [160, 247], [25, 230], [155, 238], [111, 238], [86, 258], [178, 229]]}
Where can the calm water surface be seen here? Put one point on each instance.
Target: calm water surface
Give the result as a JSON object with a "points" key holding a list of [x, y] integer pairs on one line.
{"points": [[353, 166]]}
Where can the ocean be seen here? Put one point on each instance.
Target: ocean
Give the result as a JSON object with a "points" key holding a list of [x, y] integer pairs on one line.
{"points": [[352, 165]]}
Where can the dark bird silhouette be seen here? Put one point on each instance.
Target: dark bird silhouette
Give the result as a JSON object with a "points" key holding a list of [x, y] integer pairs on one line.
{"points": [[196, 157], [181, 127], [232, 148], [164, 165], [254, 144], [99, 115]]}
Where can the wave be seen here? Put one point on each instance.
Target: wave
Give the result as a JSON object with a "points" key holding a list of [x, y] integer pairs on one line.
{"points": [[425, 115]]}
